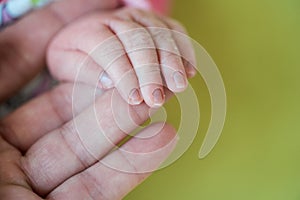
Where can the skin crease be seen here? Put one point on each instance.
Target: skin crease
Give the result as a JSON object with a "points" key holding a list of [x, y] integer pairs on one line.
{"points": [[32, 168], [115, 34], [36, 140]]}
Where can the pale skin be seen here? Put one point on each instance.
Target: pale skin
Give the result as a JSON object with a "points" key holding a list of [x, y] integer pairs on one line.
{"points": [[36, 137], [42, 155], [135, 51], [23, 45]]}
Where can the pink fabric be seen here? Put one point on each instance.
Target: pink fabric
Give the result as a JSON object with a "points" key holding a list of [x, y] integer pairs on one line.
{"points": [[160, 6]]}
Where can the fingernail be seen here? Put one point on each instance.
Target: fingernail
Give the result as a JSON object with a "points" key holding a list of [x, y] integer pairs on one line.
{"points": [[158, 97], [190, 71], [105, 81], [179, 80], [135, 97]]}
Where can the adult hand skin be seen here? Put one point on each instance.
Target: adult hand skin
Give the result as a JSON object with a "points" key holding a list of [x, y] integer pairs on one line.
{"points": [[46, 153]]}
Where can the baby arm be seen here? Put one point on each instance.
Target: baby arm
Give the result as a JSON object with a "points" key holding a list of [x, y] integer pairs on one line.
{"points": [[133, 50]]}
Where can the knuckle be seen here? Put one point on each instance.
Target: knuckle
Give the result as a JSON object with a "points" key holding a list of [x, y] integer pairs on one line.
{"points": [[7, 132], [155, 23], [138, 38], [171, 60], [93, 187], [149, 69], [149, 74], [162, 34]]}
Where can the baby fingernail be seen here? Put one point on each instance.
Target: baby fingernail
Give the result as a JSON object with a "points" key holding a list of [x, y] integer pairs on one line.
{"points": [[135, 97], [158, 97], [191, 72], [105, 81], [179, 80]]}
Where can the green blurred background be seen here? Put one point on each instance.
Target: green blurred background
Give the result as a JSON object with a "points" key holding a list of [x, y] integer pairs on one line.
{"points": [[256, 46]]}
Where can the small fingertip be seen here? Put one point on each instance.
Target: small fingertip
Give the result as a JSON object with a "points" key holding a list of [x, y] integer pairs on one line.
{"points": [[190, 71], [105, 82], [158, 97], [180, 80], [135, 97]]}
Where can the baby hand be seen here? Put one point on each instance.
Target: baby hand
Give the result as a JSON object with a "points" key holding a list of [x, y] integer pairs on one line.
{"points": [[135, 51]]}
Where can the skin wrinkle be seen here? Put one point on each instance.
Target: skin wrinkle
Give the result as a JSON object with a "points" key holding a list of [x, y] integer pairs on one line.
{"points": [[107, 23], [31, 180], [162, 32], [29, 171], [83, 167], [111, 23], [115, 50], [135, 111], [136, 58], [165, 24], [61, 115], [141, 39], [55, 110], [169, 57], [70, 128], [129, 163], [136, 178], [27, 181], [12, 180], [87, 176], [67, 101], [7, 132]]}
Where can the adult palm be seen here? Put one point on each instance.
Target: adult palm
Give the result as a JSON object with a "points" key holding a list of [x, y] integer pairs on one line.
{"points": [[46, 153]]}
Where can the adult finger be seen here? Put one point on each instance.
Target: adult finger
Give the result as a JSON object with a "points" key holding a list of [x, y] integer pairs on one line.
{"points": [[13, 184], [81, 142], [45, 113], [23, 44], [119, 172]]}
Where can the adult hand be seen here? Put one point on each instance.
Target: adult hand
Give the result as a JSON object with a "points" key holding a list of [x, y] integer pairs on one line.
{"points": [[41, 152], [46, 153]]}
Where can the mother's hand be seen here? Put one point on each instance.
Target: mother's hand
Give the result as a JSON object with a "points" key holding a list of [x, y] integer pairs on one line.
{"points": [[46, 153]]}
